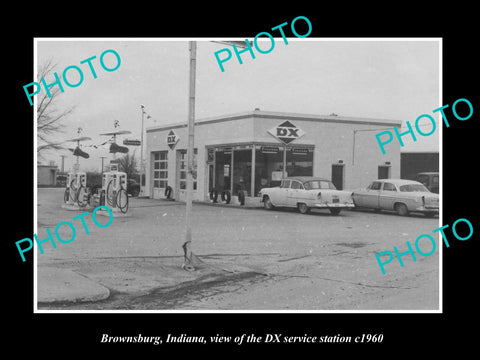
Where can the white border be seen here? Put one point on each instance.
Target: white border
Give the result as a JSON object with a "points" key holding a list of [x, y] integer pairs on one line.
{"points": [[376, 39]]}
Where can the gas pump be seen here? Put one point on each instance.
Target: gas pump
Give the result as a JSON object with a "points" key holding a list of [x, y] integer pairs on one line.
{"points": [[76, 190], [114, 182], [114, 190]]}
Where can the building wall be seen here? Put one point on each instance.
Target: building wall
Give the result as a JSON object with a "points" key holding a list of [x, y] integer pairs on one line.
{"points": [[413, 163], [334, 139], [46, 175], [215, 133]]}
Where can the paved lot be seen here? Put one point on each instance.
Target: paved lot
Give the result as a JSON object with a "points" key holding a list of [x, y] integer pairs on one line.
{"points": [[252, 259]]}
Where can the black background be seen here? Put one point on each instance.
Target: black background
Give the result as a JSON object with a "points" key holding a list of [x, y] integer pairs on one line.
{"points": [[65, 335]]}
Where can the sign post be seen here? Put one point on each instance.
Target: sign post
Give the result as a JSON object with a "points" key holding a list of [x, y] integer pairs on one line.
{"points": [[187, 265]]}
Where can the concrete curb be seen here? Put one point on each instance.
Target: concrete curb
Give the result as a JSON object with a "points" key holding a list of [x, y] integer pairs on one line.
{"points": [[63, 285]]}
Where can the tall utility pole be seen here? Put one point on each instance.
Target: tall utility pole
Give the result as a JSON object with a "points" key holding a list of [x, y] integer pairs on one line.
{"points": [[142, 168], [102, 157], [63, 162], [187, 265]]}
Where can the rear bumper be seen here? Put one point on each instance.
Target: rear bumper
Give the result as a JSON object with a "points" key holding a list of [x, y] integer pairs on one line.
{"points": [[427, 208], [334, 205]]}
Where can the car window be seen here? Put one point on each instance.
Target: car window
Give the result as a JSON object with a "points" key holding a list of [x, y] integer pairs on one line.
{"points": [[389, 187], [413, 188], [376, 185], [319, 184], [435, 180], [422, 178], [296, 185], [327, 185], [285, 184]]}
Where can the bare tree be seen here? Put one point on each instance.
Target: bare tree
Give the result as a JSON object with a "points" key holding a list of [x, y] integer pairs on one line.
{"points": [[49, 118], [128, 164]]}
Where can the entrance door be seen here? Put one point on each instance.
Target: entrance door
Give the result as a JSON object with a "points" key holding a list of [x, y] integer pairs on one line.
{"points": [[383, 172], [223, 171], [337, 176]]}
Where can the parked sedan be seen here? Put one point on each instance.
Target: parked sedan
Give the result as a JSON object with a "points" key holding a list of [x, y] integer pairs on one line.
{"points": [[403, 196], [305, 193]]}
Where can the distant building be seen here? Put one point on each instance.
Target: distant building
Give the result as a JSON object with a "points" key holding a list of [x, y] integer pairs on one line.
{"points": [[47, 175], [412, 163], [61, 179]]}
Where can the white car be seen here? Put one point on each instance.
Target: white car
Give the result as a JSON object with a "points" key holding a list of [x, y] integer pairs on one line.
{"points": [[402, 196], [305, 193]]}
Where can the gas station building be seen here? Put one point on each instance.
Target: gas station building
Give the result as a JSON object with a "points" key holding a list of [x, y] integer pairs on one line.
{"points": [[251, 150]]}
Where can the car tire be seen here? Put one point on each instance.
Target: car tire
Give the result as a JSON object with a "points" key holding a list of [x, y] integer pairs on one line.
{"points": [[214, 195], [267, 203], [335, 211], [401, 209], [303, 208], [168, 192], [226, 197]]}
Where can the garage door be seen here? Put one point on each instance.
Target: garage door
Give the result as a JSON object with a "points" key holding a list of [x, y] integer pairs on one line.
{"points": [[160, 174]]}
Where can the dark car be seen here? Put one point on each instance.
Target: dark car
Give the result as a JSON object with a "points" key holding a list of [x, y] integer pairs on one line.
{"points": [[429, 179], [133, 187]]}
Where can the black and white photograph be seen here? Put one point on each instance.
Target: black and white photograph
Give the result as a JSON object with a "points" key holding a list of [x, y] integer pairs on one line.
{"points": [[281, 184], [287, 199]]}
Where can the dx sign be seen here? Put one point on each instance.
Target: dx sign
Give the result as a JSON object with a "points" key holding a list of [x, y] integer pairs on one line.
{"points": [[172, 139], [286, 132]]}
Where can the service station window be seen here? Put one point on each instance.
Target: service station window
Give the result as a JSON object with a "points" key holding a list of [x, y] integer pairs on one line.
{"points": [[269, 164], [233, 169], [242, 171], [299, 161], [223, 162], [182, 167]]}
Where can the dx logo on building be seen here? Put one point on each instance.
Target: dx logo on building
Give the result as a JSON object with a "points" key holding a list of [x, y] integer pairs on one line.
{"points": [[172, 139], [286, 132]]}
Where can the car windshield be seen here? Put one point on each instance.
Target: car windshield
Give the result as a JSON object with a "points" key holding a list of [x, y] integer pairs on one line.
{"points": [[413, 188], [319, 184]]}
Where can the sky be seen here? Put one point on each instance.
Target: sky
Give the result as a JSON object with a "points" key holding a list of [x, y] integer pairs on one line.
{"points": [[393, 79]]}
